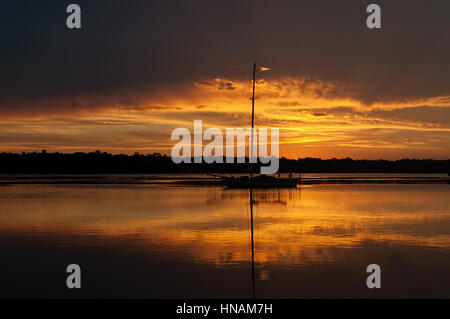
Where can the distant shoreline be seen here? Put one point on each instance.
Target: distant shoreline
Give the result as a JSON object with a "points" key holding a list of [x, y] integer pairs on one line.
{"points": [[205, 180], [105, 163]]}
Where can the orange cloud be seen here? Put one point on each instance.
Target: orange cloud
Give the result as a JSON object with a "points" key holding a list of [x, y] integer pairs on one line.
{"points": [[313, 116]]}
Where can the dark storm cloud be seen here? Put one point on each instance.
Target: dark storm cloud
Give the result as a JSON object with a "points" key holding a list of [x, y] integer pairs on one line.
{"points": [[218, 83], [129, 47]]}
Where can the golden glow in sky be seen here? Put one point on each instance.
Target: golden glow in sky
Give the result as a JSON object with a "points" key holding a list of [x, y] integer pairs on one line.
{"points": [[313, 121]]}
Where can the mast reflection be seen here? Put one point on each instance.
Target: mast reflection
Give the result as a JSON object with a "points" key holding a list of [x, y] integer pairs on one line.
{"points": [[253, 246]]}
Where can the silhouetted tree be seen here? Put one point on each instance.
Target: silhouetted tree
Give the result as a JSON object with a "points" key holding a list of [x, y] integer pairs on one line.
{"points": [[101, 162]]}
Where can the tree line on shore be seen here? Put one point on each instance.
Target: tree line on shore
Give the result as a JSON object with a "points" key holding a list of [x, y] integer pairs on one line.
{"points": [[102, 163]]}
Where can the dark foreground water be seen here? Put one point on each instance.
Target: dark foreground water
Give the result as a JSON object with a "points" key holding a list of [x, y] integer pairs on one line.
{"points": [[181, 241]]}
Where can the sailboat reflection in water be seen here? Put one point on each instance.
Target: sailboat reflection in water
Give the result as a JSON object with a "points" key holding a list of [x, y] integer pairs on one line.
{"points": [[253, 244]]}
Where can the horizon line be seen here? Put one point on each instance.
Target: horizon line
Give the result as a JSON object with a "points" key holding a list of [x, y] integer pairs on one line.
{"points": [[157, 154]]}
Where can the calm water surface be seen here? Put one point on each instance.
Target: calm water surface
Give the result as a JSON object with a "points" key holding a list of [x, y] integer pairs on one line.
{"points": [[172, 241]]}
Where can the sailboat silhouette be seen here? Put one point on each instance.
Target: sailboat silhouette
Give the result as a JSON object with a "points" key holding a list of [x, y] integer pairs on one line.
{"points": [[262, 180]]}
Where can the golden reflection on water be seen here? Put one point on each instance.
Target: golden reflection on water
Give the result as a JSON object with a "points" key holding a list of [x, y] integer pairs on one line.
{"points": [[212, 225]]}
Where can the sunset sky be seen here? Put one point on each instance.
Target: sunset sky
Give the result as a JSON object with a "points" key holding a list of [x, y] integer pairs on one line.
{"points": [[138, 69]]}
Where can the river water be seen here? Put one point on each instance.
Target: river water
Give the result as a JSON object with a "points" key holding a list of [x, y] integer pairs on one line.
{"points": [[163, 239]]}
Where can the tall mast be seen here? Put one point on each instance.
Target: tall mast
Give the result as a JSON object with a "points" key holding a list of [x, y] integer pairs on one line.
{"points": [[253, 118]]}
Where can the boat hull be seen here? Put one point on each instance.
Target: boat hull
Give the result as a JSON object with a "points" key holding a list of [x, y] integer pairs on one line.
{"points": [[232, 182]]}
